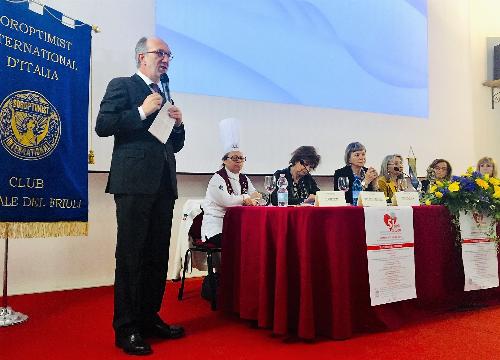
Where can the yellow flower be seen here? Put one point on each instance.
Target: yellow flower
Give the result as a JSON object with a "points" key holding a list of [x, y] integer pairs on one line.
{"points": [[494, 181], [486, 177], [496, 194], [439, 194], [439, 183], [432, 189], [427, 202], [454, 186], [470, 170], [482, 183]]}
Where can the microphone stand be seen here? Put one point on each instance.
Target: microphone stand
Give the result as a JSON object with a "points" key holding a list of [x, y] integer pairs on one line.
{"points": [[7, 315]]}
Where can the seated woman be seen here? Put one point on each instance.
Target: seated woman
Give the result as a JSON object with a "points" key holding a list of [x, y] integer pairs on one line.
{"points": [[390, 171], [227, 187], [301, 185], [439, 169], [355, 159], [487, 165]]}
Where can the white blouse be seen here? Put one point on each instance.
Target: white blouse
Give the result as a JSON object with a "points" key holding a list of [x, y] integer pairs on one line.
{"points": [[217, 199]]}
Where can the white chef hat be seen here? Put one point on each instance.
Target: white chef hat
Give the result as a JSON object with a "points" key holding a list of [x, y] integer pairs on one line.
{"points": [[230, 134]]}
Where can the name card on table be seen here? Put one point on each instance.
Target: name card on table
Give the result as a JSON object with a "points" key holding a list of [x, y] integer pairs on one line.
{"points": [[406, 198], [372, 198], [330, 198]]}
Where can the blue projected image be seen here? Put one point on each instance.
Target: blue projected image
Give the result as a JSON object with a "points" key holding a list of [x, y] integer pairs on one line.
{"points": [[359, 55]]}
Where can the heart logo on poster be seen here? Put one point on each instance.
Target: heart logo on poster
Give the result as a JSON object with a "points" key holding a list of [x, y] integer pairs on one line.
{"points": [[390, 221]]}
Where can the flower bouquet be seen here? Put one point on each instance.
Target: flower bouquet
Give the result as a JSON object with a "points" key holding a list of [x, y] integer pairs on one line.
{"points": [[470, 192]]}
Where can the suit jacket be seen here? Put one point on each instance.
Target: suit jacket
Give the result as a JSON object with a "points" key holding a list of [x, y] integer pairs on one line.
{"points": [[138, 158], [346, 171]]}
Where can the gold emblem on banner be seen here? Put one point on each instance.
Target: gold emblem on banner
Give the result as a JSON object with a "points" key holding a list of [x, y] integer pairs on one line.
{"points": [[30, 126]]}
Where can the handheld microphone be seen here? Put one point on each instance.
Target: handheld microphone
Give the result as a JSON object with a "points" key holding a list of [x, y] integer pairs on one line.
{"points": [[400, 176], [165, 85]]}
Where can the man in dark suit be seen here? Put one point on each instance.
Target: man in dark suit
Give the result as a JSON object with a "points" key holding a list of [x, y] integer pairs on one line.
{"points": [[143, 180]]}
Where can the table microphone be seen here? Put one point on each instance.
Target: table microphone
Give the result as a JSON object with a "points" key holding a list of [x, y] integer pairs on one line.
{"points": [[413, 179], [165, 85]]}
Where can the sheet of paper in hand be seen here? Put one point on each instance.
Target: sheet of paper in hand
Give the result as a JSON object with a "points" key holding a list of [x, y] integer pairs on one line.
{"points": [[163, 125]]}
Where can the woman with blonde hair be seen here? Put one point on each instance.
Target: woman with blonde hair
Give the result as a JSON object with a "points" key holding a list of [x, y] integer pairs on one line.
{"points": [[486, 165], [390, 171]]}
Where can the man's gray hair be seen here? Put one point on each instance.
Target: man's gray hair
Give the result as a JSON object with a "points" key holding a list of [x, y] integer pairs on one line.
{"points": [[352, 147], [140, 48]]}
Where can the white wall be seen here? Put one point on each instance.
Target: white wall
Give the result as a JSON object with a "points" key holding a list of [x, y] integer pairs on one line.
{"points": [[484, 23], [461, 127]]}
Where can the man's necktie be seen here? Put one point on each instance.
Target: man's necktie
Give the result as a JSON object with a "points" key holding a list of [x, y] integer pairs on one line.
{"points": [[156, 89]]}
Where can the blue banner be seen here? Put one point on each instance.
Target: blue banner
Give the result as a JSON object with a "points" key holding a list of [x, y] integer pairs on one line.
{"points": [[44, 97]]}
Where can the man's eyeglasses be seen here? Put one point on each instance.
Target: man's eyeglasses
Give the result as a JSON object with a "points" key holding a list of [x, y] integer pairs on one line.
{"points": [[161, 53], [237, 158]]}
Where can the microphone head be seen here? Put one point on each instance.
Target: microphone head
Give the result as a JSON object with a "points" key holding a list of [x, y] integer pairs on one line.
{"points": [[164, 78]]}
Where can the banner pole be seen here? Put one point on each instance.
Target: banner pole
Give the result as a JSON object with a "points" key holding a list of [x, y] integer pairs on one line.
{"points": [[7, 315], [5, 261]]}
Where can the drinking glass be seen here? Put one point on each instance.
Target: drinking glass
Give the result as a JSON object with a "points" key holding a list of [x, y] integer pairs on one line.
{"points": [[343, 183], [269, 185]]}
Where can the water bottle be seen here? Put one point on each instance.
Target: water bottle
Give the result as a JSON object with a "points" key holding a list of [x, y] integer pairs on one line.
{"points": [[282, 184], [356, 189]]}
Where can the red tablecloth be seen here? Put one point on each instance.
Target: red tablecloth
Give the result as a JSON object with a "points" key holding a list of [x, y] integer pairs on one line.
{"points": [[305, 270]]}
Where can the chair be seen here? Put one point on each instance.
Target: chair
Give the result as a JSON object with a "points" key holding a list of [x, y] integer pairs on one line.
{"points": [[190, 209], [200, 246]]}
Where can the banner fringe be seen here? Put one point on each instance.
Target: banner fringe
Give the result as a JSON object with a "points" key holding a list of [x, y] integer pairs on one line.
{"points": [[43, 229]]}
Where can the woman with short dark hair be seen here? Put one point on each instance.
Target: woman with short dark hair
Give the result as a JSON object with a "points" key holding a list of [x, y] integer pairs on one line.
{"points": [[301, 186]]}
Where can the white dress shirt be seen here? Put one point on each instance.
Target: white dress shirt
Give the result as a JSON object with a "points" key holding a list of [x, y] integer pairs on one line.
{"points": [[148, 81], [217, 199]]}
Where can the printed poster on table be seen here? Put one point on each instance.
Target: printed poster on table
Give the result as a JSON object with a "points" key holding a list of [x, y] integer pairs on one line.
{"points": [[479, 253], [390, 244]]}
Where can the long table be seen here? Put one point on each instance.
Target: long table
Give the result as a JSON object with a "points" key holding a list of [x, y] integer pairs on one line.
{"points": [[304, 270]]}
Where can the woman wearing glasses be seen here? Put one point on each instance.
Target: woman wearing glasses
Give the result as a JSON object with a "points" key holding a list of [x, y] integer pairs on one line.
{"points": [[391, 171], [439, 169], [301, 186], [227, 187]]}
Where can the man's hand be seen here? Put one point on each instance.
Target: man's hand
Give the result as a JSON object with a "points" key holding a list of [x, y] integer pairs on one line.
{"points": [[175, 113], [152, 103]]}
